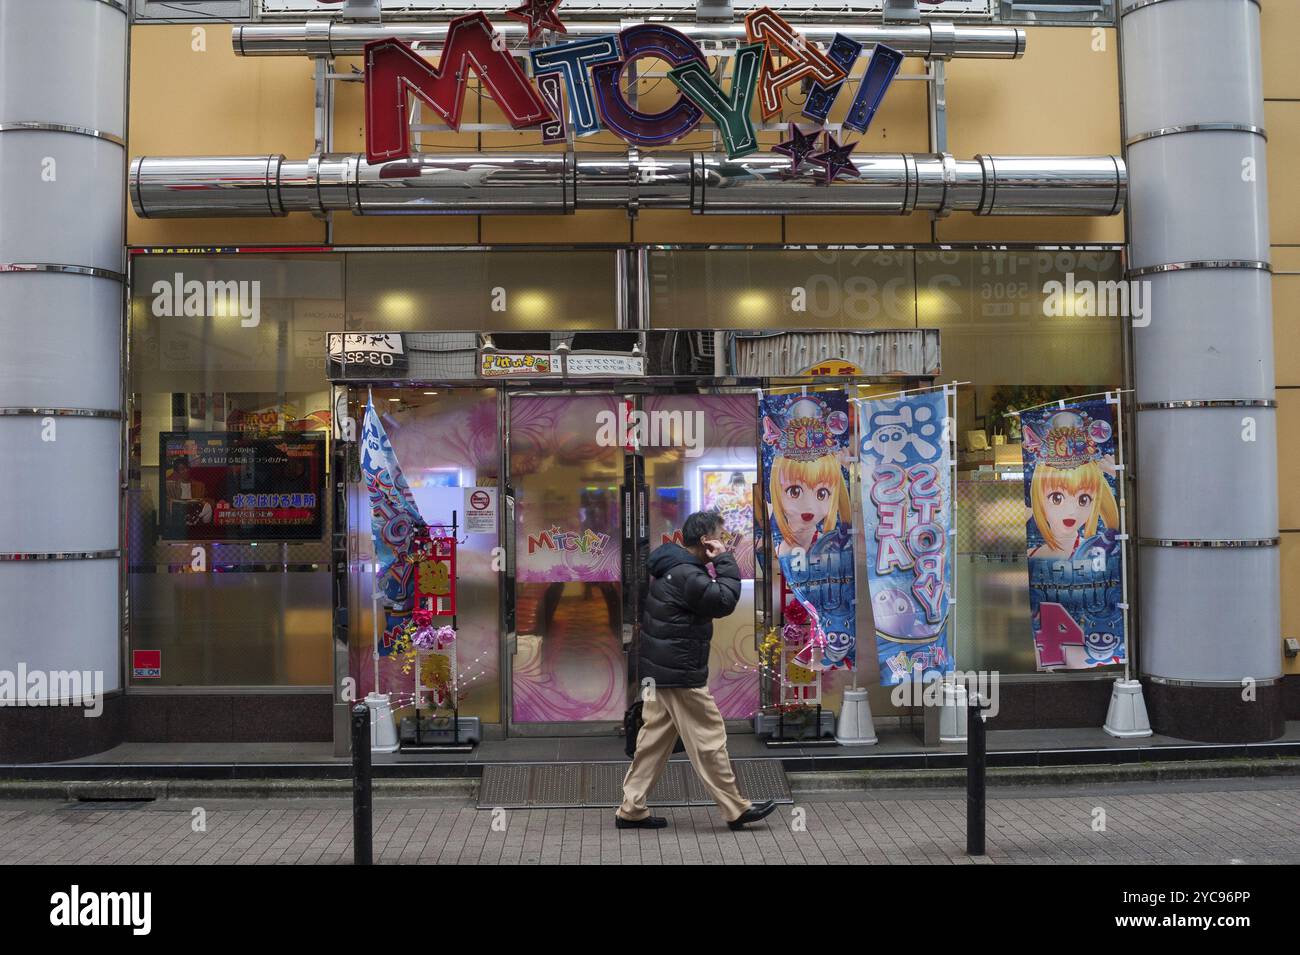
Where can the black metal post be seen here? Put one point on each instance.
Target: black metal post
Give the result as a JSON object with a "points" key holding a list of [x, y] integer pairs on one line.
{"points": [[362, 829], [975, 767]]}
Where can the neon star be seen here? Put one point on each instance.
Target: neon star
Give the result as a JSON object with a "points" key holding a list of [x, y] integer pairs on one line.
{"points": [[539, 15], [834, 158], [798, 147]]}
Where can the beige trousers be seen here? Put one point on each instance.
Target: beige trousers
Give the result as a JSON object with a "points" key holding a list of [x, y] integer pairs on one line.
{"points": [[694, 715]]}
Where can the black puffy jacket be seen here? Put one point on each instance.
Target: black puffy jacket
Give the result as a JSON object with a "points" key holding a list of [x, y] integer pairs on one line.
{"points": [[682, 603]]}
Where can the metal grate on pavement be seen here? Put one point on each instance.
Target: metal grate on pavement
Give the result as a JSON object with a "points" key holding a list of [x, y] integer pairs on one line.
{"points": [[600, 785]]}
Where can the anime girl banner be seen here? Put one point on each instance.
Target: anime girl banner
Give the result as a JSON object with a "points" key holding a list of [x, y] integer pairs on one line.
{"points": [[805, 448], [1075, 570], [395, 522], [907, 510]]}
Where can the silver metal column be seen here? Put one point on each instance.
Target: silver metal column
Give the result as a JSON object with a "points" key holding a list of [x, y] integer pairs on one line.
{"points": [[1207, 469], [62, 169]]}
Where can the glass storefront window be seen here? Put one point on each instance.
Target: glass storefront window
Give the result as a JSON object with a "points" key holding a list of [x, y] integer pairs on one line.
{"points": [[1003, 322], [227, 363], [1018, 327], [781, 288], [1020, 342], [481, 290], [240, 358], [225, 348]]}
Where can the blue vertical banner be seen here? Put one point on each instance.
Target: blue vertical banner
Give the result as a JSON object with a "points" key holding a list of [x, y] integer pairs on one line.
{"points": [[1072, 533], [394, 523], [806, 447], [907, 512]]}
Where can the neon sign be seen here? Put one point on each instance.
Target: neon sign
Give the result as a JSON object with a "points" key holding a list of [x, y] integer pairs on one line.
{"points": [[590, 70]]}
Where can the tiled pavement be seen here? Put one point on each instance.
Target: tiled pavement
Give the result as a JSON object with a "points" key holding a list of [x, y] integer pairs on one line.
{"points": [[1253, 821]]}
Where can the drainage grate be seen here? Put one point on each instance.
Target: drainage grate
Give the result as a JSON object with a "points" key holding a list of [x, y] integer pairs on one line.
{"points": [[504, 786], [604, 784], [673, 789], [556, 786], [600, 785], [765, 776]]}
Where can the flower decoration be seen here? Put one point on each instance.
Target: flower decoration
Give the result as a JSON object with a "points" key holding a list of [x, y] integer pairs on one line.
{"points": [[796, 613], [795, 633]]}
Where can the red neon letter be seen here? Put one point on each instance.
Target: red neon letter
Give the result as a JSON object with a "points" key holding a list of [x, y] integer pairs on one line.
{"points": [[806, 60], [393, 70]]}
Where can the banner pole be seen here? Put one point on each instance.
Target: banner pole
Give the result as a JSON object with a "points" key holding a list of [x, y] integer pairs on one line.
{"points": [[762, 556], [908, 391], [1121, 473], [374, 653], [950, 404], [1061, 402], [1126, 717], [856, 495]]}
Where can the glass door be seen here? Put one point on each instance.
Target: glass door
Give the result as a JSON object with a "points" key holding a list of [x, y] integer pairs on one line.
{"points": [[569, 667], [703, 457], [447, 443]]}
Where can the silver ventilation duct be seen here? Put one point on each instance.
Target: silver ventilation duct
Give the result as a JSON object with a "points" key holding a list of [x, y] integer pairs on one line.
{"points": [[328, 38], [561, 183]]}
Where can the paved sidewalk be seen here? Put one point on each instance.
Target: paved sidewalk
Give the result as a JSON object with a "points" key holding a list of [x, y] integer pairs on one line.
{"points": [[1223, 821]]}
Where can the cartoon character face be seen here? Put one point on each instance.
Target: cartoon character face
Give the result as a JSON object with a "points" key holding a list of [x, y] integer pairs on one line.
{"points": [[1101, 645], [896, 615], [1067, 512], [893, 432], [893, 612], [837, 646], [805, 505], [888, 442]]}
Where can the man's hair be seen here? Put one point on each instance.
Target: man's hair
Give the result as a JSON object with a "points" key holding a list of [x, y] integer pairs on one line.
{"points": [[699, 524]]}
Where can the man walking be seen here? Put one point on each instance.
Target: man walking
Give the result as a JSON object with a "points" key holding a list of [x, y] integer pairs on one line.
{"points": [[683, 601]]}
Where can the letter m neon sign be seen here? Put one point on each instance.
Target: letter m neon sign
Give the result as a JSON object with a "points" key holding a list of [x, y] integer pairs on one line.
{"points": [[394, 70]]}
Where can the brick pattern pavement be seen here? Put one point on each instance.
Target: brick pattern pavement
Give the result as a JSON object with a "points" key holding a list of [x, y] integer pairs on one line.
{"points": [[1256, 825]]}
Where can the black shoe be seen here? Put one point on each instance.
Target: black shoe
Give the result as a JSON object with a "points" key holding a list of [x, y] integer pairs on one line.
{"points": [[649, 822], [754, 813]]}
